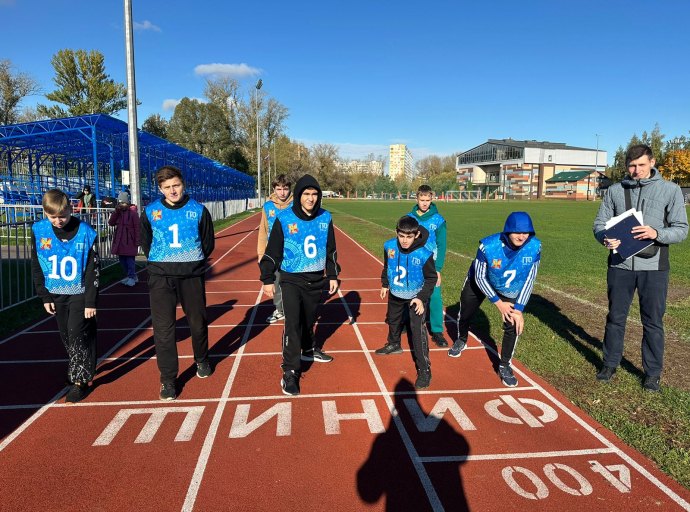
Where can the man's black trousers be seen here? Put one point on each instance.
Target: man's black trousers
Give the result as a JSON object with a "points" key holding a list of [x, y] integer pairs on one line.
{"points": [[397, 308], [300, 300], [78, 334], [471, 298], [652, 288], [164, 293]]}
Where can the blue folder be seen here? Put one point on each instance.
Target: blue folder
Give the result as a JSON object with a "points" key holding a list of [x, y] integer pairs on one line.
{"points": [[623, 232]]}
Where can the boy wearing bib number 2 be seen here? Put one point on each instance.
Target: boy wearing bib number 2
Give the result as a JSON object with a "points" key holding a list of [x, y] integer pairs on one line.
{"points": [[504, 272], [409, 272], [176, 235], [302, 246], [65, 266]]}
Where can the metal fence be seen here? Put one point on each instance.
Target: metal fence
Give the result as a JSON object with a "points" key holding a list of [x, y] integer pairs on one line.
{"points": [[16, 223]]}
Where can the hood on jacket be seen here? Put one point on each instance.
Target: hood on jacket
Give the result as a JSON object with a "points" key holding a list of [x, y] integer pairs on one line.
{"points": [[306, 181], [418, 242], [429, 213], [629, 182], [518, 222], [280, 204]]}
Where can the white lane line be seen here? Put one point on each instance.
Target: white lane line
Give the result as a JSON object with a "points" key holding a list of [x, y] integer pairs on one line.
{"points": [[213, 429], [411, 451], [506, 456]]}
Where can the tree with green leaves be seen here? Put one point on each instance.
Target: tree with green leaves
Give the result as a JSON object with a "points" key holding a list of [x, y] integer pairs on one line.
{"points": [[15, 85], [156, 125], [83, 86]]}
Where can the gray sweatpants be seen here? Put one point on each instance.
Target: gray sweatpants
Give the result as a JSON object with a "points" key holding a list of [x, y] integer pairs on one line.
{"points": [[278, 295]]}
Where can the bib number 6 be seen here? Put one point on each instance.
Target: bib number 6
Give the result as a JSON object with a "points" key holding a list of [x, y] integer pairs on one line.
{"points": [[310, 247]]}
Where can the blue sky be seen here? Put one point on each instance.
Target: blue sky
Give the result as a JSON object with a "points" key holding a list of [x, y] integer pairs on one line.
{"points": [[439, 76]]}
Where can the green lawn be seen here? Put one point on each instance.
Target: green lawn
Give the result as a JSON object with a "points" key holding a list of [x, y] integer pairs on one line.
{"points": [[566, 315]]}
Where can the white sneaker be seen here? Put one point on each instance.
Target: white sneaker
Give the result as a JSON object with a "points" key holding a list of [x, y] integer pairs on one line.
{"points": [[135, 278], [125, 281], [275, 317], [130, 282]]}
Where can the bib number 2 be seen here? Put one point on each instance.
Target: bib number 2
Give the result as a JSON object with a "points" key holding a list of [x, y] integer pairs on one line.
{"points": [[402, 272]]}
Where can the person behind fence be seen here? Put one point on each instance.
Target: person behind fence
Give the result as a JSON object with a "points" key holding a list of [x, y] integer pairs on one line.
{"points": [[302, 246], [410, 274], [666, 222], [65, 267], [86, 199], [279, 200], [177, 237], [503, 271], [126, 237], [426, 213]]}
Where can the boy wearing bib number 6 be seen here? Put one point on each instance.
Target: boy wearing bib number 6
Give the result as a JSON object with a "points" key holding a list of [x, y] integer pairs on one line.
{"points": [[176, 235], [65, 266], [409, 272], [302, 246], [504, 271]]}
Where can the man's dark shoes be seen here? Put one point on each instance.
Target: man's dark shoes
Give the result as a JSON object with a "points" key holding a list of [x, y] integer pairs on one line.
{"points": [[290, 383], [388, 349], [317, 355], [168, 391], [457, 348], [651, 383], [203, 370], [507, 376], [605, 374], [78, 392], [439, 339], [423, 379]]}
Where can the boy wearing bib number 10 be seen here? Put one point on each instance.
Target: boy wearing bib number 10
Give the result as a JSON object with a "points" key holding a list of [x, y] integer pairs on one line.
{"points": [[504, 271], [176, 235], [302, 246], [409, 272], [65, 266]]}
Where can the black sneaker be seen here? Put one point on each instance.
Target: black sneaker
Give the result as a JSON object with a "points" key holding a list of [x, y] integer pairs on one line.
{"points": [[507, 376], [203, 370], [651, 383], [605, 374], [290, 383], [316, 355], [439, 339], [168, 391], [388, 349], [423, 379], [78, 392], [457, 348]]}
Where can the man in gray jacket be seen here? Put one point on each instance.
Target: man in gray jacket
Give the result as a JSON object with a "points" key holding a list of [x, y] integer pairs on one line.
{"points": [[666, 222]]}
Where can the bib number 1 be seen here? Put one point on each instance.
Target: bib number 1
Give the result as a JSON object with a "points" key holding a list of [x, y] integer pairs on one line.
{"points": [[175, 242]]}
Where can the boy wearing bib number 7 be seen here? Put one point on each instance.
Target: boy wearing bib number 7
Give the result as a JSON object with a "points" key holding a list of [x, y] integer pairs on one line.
{"points": [[176, 235], [302, 246], [409, 272], [504, 271], [65, 266]]}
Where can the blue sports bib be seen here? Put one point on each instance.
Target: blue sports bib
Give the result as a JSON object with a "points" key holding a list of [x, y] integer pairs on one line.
{"points": [[304, 248], [405, 271], [63, 263], [176, 235], [506, 275], [272, 213], [431, 224]]}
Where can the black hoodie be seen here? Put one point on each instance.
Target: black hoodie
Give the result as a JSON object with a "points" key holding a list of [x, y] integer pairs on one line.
{"points": [[273, 257], [428, 269]]}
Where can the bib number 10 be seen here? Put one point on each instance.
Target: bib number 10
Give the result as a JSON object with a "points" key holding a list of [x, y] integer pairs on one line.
{"points": [[310, 249], [63, 268]]}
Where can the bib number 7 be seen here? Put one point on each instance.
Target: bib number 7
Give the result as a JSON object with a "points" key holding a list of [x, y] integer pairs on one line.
{"points": [[510, 273]]}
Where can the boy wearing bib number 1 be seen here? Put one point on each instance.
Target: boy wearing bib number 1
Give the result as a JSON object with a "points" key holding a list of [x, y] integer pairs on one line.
{"points": [[65, 266], [176, 235], [409, 272], [302, 246], [504, 272]]}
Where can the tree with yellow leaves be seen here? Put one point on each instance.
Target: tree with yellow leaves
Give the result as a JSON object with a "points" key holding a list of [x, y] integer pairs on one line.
{"points": [[676, 166]]}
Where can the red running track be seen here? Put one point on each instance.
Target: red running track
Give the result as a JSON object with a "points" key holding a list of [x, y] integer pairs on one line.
{"points": [[358, 438]]}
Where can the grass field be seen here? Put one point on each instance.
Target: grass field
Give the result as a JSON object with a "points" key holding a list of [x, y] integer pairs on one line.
{"points": [[566, 316]]}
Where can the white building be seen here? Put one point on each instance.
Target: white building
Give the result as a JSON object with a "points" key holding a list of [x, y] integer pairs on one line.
{"points": [[355, 166]]}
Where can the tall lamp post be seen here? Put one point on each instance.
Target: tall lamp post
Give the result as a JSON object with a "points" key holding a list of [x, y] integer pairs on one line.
{"points": [[134, 180], [596, 169], [258, 140]]}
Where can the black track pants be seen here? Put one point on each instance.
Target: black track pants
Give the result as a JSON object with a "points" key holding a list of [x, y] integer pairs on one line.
{"points": [[78, 334], [164, 294], [300, 300], [471, 298], [397, 307]]}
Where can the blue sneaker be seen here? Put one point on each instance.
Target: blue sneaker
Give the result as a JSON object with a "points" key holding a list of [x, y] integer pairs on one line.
{"points": [[507, 376], [457, 348]]}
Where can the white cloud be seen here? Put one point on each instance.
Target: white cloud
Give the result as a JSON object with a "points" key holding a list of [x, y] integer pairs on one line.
{"points": [[233, 70], [170, 104], [147, 25]]}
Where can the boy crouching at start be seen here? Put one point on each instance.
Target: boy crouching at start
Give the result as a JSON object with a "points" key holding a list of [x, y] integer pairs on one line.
{"points": [[409, 273]]}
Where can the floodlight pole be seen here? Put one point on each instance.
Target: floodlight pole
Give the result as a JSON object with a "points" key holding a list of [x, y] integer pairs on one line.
{"points": [[258, 140], [596, 168], [134, 181]]}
